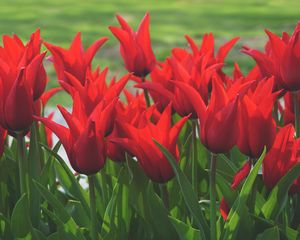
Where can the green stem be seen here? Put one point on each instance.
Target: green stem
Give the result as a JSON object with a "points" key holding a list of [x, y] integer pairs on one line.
{"points": [[194, 156], [146, 94], [254, 190], [93, 230], [212, 191], [296, 113], [22, 164], [164, 194]]}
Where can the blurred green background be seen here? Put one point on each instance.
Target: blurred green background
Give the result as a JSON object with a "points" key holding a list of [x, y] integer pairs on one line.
{"points": [[59, 21]]}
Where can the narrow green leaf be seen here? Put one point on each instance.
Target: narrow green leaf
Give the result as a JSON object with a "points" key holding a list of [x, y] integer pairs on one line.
{"points": [[279, 194], [69, 226], [69, 183], [239, 207], [185, 231], [189, 195], [20, 219]]}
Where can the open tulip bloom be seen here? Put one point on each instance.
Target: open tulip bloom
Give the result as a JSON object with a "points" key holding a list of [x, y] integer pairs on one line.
{"points": [[188, 152]]}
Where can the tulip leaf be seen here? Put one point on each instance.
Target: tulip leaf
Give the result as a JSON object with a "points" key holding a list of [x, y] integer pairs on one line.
{"points": [[20, 218], [279, 194], [228, 192], [185, 231], [67, 226], [159, 215], [270, 233], [68, 181], [239, 208], [188, 193]]}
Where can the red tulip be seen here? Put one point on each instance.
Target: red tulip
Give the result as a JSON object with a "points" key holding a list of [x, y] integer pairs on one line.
{"points": [[282, 59], [283, 155], [288, 110], [130, 114], [139, 142], [75, 60], [3, 135], [95, 88], [22, 81], [218, 121], [255, 115], [84, 140], [135, 47]]}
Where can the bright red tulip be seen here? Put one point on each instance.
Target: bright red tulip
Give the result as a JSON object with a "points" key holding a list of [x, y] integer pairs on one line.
{"points": [[288, 110], [283, 155], [22, 81], [139, 142], [219, 121], [95, 88], [75, 60], [282, 59], [256, 114], [84, 139], [135, 47]]}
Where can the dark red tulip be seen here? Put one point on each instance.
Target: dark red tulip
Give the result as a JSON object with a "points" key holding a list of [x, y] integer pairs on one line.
{"points": [[139, 142], [135, 47], [256, 114], [75, 60], [283, 155], [218, 121], [22, 81], [84, 139]]}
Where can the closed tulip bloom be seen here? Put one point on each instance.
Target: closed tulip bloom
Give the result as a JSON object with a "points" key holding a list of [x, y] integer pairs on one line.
{"points": [[84, 139], [283, 155], [219, 120], [22, 81], [139, 142], [135, 47], [75, 60], [256, 114]]}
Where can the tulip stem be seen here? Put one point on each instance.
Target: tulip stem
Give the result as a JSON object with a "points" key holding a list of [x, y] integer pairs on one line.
{"points": [[194, 156], [22, 163], [212, 191], [296, 113], [93, 231], [164, 194], [146, 94]]}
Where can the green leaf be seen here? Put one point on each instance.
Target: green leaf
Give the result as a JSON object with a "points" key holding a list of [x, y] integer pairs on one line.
{"points": [[68, 181], [229, 194], [270, 233], [188, 193], [185, 231], [239, 208], [20, 219], [159, 215], [279, 194], [67, 225]]}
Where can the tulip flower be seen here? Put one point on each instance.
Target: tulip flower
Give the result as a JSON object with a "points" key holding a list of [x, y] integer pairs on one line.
{"points": [[95, 88], [84, 139], [283, 155], [218, 121], [288, 109], [22, 81], [3, 135], [282, 59], [130, 114], [256, 114], [139, 142], [75, 60], [135, 47]]}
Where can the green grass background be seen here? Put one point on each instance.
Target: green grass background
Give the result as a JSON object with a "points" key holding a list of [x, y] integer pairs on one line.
{"points": [[59, 21]]}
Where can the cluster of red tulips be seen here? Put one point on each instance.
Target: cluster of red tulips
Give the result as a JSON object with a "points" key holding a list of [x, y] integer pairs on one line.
{"points": [[183, 110]]}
